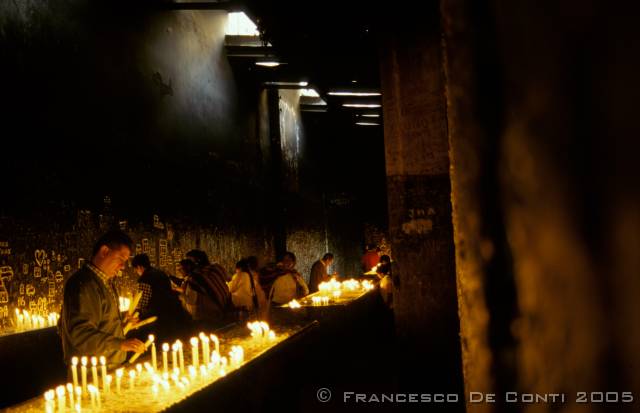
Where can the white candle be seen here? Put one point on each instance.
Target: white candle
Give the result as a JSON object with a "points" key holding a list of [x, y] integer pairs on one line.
{"points": [[97, 393], [60, 391], [165, 349], [174, 357], [192, 372], [74, 371], [205, 348], [215, 340], [103, 371], [27, 320], [78, 398], [272, 335], [203, 371], [92, 393], [83, 360], [139, 369], [49, 395], [108, 380], [19, 323], [154, 362], [70, 393], [194, 352], [180, 356], [119, 374], [94, 371], [132, 379]]}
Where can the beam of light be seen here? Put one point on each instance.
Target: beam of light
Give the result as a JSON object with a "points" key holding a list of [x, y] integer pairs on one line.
{"points": [[361, 105], [370, 115], [348, 93], [367, 124], [301, 84], [238, 24]]}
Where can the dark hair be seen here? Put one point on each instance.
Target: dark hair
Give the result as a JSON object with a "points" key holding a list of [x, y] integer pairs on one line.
{"points": [[113, 239], [253, 262], [243, 265], [187, 266], [288, 254], [141, 260], [327, 256], [385, 258], [199, 257]]}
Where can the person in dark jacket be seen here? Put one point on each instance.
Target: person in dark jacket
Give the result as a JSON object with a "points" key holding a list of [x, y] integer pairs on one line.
{"points": [[206, 294], [159, 300], [319, 273], [90, 323]]}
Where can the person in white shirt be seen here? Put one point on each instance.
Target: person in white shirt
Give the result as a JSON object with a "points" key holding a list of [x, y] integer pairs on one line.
{"points": [[243, 289], [290, 284]]}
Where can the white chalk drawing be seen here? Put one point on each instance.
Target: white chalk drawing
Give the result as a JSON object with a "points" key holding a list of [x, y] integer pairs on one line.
{"points": [[59, 258], [145, 246], [40, 256], [42, 305], [4, 248], [59, 277], [33, 306], [4, 244], [21, 288], [66, 268], [418, 226], [4, 311], [163, 252], [138, 248], [123, 225], [30, 290], [37, 272], [52, 289], [25, 269], [21, 302], [80, 262]]}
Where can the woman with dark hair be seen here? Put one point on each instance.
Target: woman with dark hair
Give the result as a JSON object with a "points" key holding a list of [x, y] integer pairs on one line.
{"points": [[244, 294]]}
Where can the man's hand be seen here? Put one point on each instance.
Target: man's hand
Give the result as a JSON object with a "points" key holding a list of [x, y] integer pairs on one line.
{"points": [[132, 344]]}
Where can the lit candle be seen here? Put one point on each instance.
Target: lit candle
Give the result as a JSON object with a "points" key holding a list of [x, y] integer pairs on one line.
{"points": [[97, 393], [139, 369], [79, 398], [203, 371], [192, 372], [215, 340], [49, 395], [119, 374], [60, 391], [94, 371], [180, 356], [132, 379], [103, 371], [83, 360], [27, 320], [154, 362], [165, 349], [72, 403], [174, 357], [194, 352], [92, 393], [272, 335], [205, 348], [74, 371], [109, 378]]}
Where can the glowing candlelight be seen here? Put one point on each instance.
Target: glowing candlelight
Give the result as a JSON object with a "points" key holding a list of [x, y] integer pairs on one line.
{"points": [[108, 381], [60, 391], [205, 348], [194, 352], [94, 371], [154, 362], [180, 356], [83, 360], [92, 393], [119, 374], [49, 395], [139, 369], [192, 372], [294, 304], [215, 340], [74, 371], [103, 371], [165, 350], [203, 371], [132, 379], [70, 393], [272, 335], [79, 398], [174, 357]]}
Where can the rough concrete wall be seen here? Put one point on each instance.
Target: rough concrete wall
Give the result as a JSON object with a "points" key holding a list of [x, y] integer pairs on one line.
{"points": [[418, 191], [540, 121]]}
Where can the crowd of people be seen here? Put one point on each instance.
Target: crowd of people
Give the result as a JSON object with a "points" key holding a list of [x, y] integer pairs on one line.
{"points": [[200, 296]]}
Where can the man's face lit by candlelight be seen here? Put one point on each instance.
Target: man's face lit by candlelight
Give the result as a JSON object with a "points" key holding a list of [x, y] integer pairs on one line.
{"points": [[112, 260]]}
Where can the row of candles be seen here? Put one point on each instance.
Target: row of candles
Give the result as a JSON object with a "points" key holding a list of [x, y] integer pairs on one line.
{"points": [[176, 372], [333, 289], [27, 321]]}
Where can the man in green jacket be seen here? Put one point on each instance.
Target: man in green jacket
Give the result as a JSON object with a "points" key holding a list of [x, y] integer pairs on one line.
{"points": [[91, 323]]}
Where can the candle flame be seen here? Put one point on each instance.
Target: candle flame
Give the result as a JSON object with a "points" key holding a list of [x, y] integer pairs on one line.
{"points": [[94, 361], [151, 338], [83, 360], [74, 361], [60, 390], [194, 341], [165, 347], [103, 360], [49, 395]]}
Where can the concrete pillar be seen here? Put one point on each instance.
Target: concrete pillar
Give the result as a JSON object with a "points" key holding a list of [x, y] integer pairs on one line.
{"points": [[418, 188]]}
